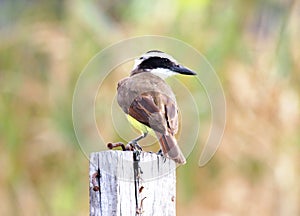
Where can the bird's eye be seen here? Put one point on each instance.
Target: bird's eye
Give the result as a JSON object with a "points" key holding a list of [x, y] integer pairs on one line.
{"points": [[141, 58]]}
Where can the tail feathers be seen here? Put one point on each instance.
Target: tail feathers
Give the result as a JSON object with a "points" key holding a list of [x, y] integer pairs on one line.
{"points": [[170, 148]]}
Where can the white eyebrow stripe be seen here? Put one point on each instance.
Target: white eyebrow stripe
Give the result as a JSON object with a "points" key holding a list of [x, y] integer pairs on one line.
{"points": [[159, 54]]}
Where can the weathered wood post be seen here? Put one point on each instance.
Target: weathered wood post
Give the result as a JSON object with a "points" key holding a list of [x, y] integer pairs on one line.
{"points": [[131, 183]]}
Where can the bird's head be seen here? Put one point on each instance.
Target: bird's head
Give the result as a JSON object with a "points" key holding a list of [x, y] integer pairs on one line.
{"points": [[159, 64]]}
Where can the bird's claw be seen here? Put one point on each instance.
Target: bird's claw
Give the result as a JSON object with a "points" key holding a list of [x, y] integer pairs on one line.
{"points": [[134, 146], [160, 153]]}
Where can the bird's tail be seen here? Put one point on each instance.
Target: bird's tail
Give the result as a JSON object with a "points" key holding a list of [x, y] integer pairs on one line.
{"points": [[170, 148]]}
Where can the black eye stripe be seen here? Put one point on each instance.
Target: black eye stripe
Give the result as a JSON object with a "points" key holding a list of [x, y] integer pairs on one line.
{"points": [[156, 62]]}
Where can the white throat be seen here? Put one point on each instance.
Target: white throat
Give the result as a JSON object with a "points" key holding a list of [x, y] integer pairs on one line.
{"points": [[162, 72]]}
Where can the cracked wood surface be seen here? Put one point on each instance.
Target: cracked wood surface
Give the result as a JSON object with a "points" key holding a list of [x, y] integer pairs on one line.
{"points": [[121, 186]]}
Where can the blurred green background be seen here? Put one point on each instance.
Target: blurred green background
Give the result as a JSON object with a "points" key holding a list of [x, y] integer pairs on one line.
{"points": [[253, 45]]}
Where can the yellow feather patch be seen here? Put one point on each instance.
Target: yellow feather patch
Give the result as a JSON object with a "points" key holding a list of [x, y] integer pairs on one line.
{"points": [[139, 126]]}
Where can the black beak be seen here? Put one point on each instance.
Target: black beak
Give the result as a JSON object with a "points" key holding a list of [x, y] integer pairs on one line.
{"points": [[182, 70]]}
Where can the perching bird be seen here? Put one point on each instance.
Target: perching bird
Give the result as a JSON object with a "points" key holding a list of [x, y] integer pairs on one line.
{"points": [[149, 101]]}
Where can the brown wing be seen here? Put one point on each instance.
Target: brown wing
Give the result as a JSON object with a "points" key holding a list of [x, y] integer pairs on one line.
{"points": [[171, 114], [157, 111]]}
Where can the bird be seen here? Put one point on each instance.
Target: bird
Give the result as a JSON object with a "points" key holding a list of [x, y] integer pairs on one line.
{"points": [[149, 101]]}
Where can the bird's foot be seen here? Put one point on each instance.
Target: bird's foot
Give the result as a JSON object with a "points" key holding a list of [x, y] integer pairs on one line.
{"points": [[160, 153], [140, 137], [131, 146], [134, 143], [134, 146]]}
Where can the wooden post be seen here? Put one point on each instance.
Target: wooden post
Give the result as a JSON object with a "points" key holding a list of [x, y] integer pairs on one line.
{"points": [[131, 183]]}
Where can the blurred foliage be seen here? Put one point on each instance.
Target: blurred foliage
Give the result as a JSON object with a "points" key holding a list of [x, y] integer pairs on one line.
{"points": [[254, 47]]}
